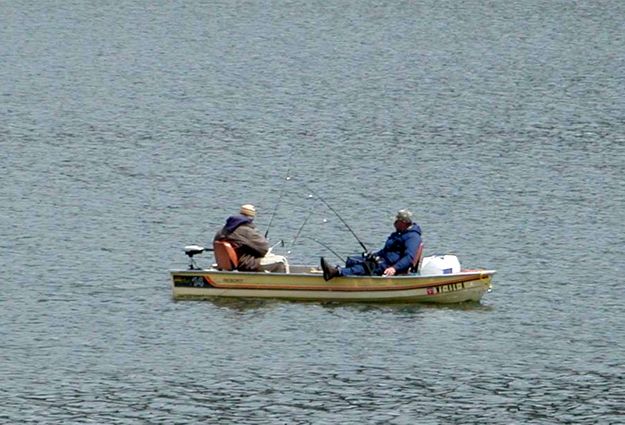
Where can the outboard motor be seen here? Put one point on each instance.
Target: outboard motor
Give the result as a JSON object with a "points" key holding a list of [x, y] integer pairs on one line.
{"points": [[440, 264], [192, 250]]}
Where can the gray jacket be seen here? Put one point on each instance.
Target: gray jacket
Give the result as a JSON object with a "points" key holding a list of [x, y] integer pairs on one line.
{"points": [[249, 244]]}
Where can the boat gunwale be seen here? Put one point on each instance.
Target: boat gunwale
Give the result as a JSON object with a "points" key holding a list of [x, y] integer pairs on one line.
{"points": [[440, 280], [196, 272]]}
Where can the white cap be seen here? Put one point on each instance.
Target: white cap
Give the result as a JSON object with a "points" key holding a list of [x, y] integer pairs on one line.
{"points": [[248, 210]]}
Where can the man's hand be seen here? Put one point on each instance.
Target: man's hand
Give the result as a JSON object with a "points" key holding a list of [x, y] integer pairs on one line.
{"points": [[390, 271]]}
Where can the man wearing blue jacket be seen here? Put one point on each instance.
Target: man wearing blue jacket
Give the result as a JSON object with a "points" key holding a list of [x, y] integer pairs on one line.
{"points": [[396, 257]]}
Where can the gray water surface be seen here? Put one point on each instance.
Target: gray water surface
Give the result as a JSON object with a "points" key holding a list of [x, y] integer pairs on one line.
{"points": [[130, 129]]}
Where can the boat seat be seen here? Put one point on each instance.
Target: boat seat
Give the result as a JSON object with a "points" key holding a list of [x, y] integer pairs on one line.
{"points": [[225, 255], [416, 264]]}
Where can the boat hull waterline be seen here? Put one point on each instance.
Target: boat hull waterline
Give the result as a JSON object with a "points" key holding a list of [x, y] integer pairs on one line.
{"points": [[467, 285]]}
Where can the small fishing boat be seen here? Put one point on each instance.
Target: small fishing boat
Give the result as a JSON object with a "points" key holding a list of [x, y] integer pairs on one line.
{"points": [[439, 279]]}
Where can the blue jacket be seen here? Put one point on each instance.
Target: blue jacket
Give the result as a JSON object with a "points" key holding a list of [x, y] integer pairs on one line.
{"points": [[400, 248]]}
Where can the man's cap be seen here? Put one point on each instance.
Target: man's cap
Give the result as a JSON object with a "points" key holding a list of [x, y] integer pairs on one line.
{"points": [[404, 215], [248, 210]]}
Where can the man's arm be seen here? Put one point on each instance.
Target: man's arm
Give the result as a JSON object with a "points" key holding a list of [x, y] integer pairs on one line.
{"points": [[404, 263], [251, 238]]}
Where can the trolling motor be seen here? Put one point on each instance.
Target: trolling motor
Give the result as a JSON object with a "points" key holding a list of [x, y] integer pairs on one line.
{"points": [[192, 250]]}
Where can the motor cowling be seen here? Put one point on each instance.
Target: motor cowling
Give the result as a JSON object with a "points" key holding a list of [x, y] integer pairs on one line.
{"points": [[192, 250], [440, 264]]}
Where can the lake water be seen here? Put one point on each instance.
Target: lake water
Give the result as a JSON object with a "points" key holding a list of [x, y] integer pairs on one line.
{"points": [[131, 129]]}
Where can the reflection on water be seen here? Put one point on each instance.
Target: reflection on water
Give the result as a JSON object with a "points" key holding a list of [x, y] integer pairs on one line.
{"points": [[237, 304], [244, 304], [402, 307]]}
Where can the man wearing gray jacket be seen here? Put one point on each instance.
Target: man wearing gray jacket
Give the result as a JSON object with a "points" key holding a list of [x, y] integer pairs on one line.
{"points": [[251, 247]]}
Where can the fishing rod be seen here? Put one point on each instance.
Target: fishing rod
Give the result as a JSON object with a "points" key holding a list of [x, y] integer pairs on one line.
{"points": [[286, 178], [280, 242], [326, 247], [339, 217], [300, 229]]}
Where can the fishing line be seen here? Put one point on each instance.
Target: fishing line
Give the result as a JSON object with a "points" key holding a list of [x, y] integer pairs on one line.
{"points": [[338, 215], [300, 229], [326, 247], [286, 179]]}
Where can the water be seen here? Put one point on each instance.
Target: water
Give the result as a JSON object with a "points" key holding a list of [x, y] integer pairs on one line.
{"points": [[130, 129]]}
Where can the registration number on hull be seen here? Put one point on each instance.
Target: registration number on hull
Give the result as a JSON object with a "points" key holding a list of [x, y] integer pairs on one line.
{"points": [[450, 287]]}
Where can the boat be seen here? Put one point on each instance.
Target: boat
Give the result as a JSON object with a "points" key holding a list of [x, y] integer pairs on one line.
{"points": [[439, 279]]}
